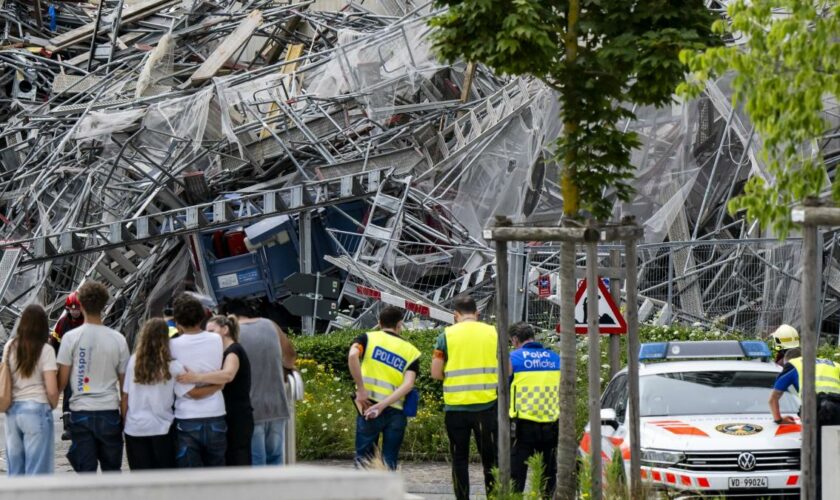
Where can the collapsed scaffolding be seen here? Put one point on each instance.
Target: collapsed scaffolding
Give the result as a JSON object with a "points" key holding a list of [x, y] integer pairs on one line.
{"points": [[135, 156]]}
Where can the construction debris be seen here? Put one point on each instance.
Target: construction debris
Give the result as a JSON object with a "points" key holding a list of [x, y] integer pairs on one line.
{"points": [[158, 145]]}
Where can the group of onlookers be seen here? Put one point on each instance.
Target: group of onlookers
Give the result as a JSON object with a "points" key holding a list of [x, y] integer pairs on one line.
{"points": [[209, 392]]}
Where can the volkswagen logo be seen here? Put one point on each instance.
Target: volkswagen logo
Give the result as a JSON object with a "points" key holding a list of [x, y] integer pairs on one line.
{"points": [[746, 461]]}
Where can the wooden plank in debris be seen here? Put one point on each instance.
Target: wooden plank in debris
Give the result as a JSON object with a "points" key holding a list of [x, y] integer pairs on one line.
{"points": [[131, 13], [294, 52], [227, 48]]}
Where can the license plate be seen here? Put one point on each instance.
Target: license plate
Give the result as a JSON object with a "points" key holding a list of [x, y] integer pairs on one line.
{"points": [[747, 482]]}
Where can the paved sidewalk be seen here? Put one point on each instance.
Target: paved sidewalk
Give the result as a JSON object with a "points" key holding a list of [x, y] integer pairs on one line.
{"points": [[430, 480]]}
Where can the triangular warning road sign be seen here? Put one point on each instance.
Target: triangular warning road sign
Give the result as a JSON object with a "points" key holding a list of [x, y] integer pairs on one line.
{"points": [[610, 321]]}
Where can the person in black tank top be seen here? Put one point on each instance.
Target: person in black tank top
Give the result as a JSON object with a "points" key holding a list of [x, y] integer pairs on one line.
{"points": [[236, 376]]}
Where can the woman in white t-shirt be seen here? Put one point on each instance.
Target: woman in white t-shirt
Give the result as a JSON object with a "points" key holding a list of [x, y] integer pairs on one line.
{"points": [[30, 446], [148, 396]]}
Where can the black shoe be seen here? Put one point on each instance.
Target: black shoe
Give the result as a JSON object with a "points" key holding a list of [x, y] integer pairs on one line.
{"points": [[65, 435]]}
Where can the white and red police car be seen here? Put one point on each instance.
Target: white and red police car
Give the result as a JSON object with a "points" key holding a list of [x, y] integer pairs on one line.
{"points": [[705, 428]]}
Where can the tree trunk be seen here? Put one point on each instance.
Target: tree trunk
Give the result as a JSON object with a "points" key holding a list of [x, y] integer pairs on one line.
{"points": [[567, 442], [567, 446]]}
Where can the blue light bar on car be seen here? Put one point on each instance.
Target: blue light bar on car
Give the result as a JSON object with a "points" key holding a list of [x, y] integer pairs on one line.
{"points": [[653, 350], [755, 349], [709, 349]]}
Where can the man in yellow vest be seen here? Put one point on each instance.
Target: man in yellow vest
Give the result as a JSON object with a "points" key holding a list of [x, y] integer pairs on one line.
{"points": [[534, 407], [465, 359], [384, 367], [827, 386]]}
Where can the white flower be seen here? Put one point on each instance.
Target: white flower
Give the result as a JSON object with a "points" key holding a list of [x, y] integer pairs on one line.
{"points": [[337, 379], [329, 415], [304, 370]]}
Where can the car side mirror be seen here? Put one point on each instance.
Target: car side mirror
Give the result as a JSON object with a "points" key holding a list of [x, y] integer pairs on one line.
{"points": [[608, 417]]}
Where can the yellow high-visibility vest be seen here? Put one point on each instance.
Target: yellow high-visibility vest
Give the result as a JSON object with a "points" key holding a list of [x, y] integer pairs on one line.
{"points": [[535, 389], [384, 363], [827, 372], [471, 369]]}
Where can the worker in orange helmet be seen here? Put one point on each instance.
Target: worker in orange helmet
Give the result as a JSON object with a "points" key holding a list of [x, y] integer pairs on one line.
{"points": [[70, 319]]}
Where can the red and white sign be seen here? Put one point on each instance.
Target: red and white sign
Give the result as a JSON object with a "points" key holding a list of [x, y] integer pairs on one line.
{"points": [[544, 286], [610, 319]]}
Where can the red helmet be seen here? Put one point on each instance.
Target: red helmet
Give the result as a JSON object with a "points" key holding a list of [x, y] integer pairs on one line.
{"points": [[72, 302]]}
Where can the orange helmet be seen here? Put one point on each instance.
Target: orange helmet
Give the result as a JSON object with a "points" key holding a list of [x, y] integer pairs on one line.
{"points": [[72, 302]]}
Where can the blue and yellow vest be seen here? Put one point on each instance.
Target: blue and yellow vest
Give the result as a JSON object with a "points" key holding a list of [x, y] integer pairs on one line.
{"points": [[384, 363], [535, 389]]}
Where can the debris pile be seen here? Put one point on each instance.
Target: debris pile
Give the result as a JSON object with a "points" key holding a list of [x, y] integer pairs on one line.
{"points": [[158, 145]]}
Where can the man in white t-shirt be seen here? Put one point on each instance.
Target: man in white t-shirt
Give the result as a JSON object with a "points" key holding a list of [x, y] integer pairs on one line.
{"points": [[200, 427], [93, 358]]}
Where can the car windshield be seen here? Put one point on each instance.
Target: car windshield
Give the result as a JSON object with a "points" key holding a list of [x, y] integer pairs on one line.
{"points": [[710, 393]]}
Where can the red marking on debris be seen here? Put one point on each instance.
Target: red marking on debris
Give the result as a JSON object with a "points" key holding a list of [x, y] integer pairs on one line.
{"points": [[368, 292], [417, 308], [703, 482], [793, 480]]}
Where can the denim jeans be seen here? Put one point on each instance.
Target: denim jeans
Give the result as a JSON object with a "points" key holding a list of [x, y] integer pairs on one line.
{"points": [[200, 442], [268, 442], [30, 446], [96, 437], [391, 425]]}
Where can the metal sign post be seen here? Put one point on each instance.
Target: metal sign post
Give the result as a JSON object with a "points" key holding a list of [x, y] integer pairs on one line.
{"points": [[594, 370]]}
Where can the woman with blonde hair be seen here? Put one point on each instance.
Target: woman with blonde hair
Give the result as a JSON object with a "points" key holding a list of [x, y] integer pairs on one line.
{"points": [[236, 377], [148, 397], [30, 445]]}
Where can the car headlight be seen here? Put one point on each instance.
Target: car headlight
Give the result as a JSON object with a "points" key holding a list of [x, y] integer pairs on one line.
{"points": [[662, 457]]}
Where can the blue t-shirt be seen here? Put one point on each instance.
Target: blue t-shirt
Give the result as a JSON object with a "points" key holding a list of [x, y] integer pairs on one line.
{"points": [[788, 377]]}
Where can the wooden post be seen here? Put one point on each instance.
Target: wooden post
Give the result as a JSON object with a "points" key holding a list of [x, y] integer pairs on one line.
{"points": [[632, 318], [469, 74], [808, 339], [615, 291], [503, 355], [594, 369], [567, 441]]}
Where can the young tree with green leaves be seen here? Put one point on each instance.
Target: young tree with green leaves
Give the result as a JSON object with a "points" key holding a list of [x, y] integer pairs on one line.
{"points": [[787, 65], [602, 57], [785, 68]]}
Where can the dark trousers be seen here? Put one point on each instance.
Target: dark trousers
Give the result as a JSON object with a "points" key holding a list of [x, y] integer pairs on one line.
{"points": [[239, 435], [828, 413], [460, 425], [65, 401], [200, 442], [96, 438], [151, 452], [391, 426], [527, 439]]}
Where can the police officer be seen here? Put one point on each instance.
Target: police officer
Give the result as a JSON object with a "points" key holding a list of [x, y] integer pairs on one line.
{"points": [[534, 406], [827, 387], [465, 359], [384, 367]]}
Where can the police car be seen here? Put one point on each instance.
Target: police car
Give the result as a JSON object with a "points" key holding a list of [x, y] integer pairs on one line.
{"points": [[705, 427]]}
